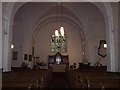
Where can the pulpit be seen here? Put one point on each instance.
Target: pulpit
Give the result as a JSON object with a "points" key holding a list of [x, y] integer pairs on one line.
{"points": [[58, 62]]}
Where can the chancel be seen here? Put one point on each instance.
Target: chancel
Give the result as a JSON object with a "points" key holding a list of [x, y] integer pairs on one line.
{"points": [[59, 45]]}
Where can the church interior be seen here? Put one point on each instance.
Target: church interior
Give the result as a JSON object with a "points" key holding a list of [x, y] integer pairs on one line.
{"points": [[60, 45]]}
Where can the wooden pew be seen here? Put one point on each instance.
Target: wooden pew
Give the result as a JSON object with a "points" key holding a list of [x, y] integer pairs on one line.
{"points": [[26, 79], [93, 79]]}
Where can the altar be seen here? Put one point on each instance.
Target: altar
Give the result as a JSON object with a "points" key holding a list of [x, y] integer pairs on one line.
{"points": [[58, 62], [58, 67]]}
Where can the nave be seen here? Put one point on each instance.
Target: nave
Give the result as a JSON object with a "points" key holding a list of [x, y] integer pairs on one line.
{"points": [[82, 78]]}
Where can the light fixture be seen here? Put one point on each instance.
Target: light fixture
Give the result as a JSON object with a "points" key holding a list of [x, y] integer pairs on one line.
{"points": [[83, 53], [102, 48], [12, 46], [105, 45], [56, 33], [62, 28], [61, 33]]}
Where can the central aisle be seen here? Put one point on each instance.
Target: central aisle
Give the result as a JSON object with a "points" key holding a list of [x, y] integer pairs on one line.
{"points": [[58, 80]]}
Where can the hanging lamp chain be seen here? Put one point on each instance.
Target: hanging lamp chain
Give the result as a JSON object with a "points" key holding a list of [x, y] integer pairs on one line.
{"points": [[61, 13], [56, 15]]}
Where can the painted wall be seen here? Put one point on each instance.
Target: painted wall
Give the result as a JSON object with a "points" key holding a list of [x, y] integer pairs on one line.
{"points": [[93, 26]]}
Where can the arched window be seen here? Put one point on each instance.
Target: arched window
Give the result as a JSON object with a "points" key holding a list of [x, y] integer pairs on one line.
{"points": [[58, 43]]}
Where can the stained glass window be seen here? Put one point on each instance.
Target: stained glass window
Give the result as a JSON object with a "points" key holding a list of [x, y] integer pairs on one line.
{"points": [[58, 44]]}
